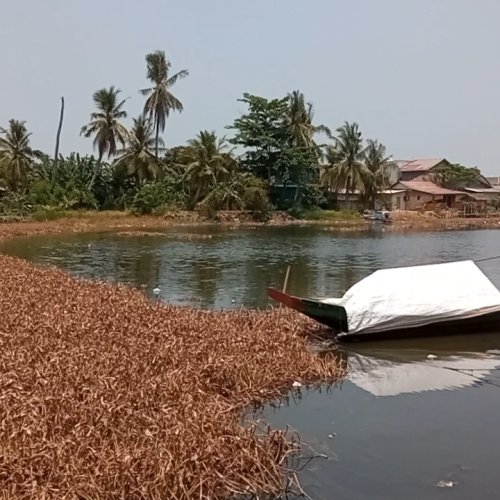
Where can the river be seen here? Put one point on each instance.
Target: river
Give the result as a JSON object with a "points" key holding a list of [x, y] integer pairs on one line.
{"points": [[404, 424]]}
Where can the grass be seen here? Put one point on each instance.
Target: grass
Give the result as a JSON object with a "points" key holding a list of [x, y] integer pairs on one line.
{"points": [[327, 215]]}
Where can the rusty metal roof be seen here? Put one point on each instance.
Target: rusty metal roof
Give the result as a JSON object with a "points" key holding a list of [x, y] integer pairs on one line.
{"points": [[428, 187], [477, 196], [422, 165]]}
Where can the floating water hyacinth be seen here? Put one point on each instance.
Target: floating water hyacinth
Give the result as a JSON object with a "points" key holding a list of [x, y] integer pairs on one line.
{"points": [[104, 394]]}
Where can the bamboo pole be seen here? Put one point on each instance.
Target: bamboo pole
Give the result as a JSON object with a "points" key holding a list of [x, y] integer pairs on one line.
{"points": [[285, 284]]}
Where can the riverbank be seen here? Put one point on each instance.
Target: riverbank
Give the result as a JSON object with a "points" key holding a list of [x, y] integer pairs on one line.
{"points": [[335, 221], [108, 395]]}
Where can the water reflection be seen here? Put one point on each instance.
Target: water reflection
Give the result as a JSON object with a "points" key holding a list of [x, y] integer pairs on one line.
{"points": [[389, 378], [221, 268], [402, 423]]}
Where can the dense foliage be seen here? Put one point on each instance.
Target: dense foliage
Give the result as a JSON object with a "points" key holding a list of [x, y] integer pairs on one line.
{"points": [[456, 176], [272, 159]]}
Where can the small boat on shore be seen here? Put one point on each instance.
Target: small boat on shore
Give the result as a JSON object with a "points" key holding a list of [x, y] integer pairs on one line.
{"points": [[383, 216], [437, 299]]}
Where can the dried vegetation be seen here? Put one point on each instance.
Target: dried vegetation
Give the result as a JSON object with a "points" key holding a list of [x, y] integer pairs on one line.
{"points": [[104, 394]]}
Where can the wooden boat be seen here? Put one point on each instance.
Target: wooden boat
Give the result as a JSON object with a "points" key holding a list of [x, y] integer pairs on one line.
{"points": [[440, 299]]}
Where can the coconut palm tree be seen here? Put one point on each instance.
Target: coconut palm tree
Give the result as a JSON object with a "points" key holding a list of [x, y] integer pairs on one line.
{"points": [[300, 122], [346, 169], [137, 158], [207, 160], [228, 195], [384, 170], [105, 126], [16, 154], [161, 101]]}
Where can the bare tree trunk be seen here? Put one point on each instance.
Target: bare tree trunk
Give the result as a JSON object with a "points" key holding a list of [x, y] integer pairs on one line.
{"points": [[157, 138], [94, 174], [347, 192], [58, 138]]}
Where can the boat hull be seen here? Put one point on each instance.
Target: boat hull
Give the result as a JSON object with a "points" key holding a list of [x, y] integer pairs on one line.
{"points": [[479, 324], [335, 317], [331, 315]]}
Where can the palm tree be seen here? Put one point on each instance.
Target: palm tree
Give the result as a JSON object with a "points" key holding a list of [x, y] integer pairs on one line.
{"points": [[16, 154], [228, 195], [384, 171], [346, 169], [105, 126], [137, 158], [160, 100], [207, 161], [300, 121]]}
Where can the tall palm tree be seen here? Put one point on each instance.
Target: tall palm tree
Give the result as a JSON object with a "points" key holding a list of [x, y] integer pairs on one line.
{"points": [[105, 126], [300, 121], [161, 101], [383, 170], [137, 158], [207, 160], [16, 154], [346, 169]]}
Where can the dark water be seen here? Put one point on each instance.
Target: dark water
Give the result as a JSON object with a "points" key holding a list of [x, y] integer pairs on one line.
{"points": [[403, 423]]}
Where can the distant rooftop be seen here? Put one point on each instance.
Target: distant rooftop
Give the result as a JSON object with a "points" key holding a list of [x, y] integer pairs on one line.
{"points": [[428, 187], [420, 165], [494, 181]]}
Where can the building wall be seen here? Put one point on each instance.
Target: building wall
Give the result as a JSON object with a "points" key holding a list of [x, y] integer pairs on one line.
{"points": [[417, 201], [342, 203], [421, 175], [410, 200], [417, 175], [394, 201]]}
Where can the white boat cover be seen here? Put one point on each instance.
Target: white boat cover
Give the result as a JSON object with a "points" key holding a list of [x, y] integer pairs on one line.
{"points": [[408, 297]]}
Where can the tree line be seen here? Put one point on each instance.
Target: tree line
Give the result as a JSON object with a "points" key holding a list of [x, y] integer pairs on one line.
{"points": [[273, 150]]}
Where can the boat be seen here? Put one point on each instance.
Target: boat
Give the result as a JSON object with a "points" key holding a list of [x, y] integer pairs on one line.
{"points": [[383, 216], [436, 299]]}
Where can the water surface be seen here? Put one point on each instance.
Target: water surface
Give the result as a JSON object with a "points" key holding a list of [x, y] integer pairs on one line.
{"points": [[403, 423]]}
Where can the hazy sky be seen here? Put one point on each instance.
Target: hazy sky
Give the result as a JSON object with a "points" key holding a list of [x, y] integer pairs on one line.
{"points": [[422, 76]]}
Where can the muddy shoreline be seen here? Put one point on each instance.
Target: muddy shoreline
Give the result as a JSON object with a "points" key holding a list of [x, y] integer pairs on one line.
{"points": [[119, 221]]}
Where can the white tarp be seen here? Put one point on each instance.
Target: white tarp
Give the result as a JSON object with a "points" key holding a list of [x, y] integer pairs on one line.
{"points": [[407, 297]]}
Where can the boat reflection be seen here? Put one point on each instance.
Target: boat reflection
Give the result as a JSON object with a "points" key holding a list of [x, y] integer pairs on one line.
{"points": [[402, 367]]}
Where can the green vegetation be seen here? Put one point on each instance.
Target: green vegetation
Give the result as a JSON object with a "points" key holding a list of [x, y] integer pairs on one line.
{"points": [[271, 160], [456, 176], [330, 215], [160, 101], [353, 167]]}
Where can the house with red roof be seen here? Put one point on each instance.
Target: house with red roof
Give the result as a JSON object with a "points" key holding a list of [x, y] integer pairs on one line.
{"points": [[421, 169], [420, 194], [416, 189]]}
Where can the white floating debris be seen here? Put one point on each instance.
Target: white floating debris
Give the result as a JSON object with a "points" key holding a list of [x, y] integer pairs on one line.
{"points": [[233, 301], [330, 436], [444, 483], [296, 385], [431, 356], [156, 291]]}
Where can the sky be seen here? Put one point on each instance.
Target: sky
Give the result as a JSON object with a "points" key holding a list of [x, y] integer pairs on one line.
{"points": [[421, 76]]}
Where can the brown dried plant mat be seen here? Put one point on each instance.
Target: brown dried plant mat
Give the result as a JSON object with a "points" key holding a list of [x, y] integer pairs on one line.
{"points": [[105, 395]]}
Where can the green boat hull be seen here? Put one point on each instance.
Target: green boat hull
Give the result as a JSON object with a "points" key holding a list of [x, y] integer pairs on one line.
{"points": [[335, 317], [331, 315]]}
